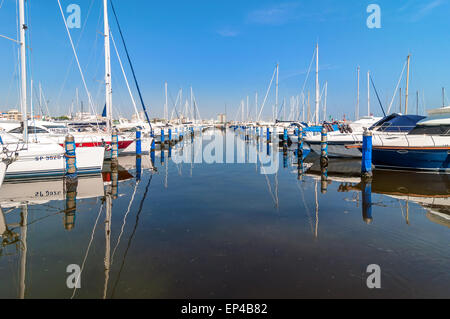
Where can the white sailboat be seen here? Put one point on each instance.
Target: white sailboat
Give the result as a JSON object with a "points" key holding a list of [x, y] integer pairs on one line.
{"points": [[45, 158]]}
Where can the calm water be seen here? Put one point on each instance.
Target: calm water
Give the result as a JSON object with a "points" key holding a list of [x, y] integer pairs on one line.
{"points": [[227, 231]]}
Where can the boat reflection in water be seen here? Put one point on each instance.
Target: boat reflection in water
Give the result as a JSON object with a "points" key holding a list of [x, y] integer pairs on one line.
{"points": [[20, 197], [429, 190]]}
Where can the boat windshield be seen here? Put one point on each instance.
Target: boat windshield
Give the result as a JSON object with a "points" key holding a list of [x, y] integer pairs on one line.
{"points": [[431, 130], [31, 130]]}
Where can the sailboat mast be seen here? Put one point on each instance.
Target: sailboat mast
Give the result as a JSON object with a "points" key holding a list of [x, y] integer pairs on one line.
{"points": [[276, 96], [256, 106], [357, 100], [166, 109], [368, 93], [407, 86], [108, 86], [23, 68], [317, 84]]}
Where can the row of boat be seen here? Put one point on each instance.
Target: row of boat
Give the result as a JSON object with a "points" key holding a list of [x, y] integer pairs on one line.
{"points": [[400, 142]]}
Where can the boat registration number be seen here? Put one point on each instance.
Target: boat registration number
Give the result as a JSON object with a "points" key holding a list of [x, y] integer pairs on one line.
{"points": [[48, 158], [47, 193]]}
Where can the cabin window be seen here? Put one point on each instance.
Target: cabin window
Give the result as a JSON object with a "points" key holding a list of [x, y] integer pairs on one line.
{"points": [[31, 130], [431, 130]]}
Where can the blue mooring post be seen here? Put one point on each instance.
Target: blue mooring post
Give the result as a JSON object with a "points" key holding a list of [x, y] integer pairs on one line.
{"points": [[162, 136], [138, 142], [71, 204], [367, 201], [170, 135], [71, 157], [324, 147], [268, 134], [324, 179], [138, 167], [366, 163], [285, 135], [114, 145], [300, 142]]}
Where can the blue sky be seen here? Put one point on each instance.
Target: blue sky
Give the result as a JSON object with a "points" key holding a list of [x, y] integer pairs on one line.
{"points": [[228, 49]]}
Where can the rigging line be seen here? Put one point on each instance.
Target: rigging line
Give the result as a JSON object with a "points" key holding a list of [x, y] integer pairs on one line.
{"points": [[124, 222], [308, 212], [309, 71], [396, 88], [125, 76], [132, 235], [317, 209], [71, 61], [267, 93], [379, 101], [131, 65], [78, 63], [89, 246], [268, 185]]}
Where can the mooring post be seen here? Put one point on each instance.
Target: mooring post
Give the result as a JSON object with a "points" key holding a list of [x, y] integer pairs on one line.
{"points": [[70, 189], [324, 179], [366, 163], [114, 182], [138, 167], [367, 201], [70, 157], [138, 142], [324, 147], [162, 136], [299, 168], [300, 142], [285, 135], [114, 146], [163, 157], [268, 134], [170, 135]]}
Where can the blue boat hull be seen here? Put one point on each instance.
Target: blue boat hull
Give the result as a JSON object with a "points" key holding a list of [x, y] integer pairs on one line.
{"points": [[412, 159]]}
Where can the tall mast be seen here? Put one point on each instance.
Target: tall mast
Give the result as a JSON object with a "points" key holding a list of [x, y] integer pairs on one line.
{"points": [[166, 110], [276, 96], [256, 106], [317, 83], [108, 86], [368, 93], [357, 100], [417, 103], [246, 115], [309, 109], [325, 102], [192, 101], [407, 86], [23, 68]]}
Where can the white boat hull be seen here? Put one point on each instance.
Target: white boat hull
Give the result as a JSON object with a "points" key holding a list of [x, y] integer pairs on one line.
{"points": [[47, 161]]}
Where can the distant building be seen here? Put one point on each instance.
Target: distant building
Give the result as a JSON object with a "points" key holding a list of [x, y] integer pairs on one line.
{"points": [[13, 115], [221, 118]]}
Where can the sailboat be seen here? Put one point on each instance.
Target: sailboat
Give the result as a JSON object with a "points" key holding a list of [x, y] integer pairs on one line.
{"points": [[46, 157]]}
